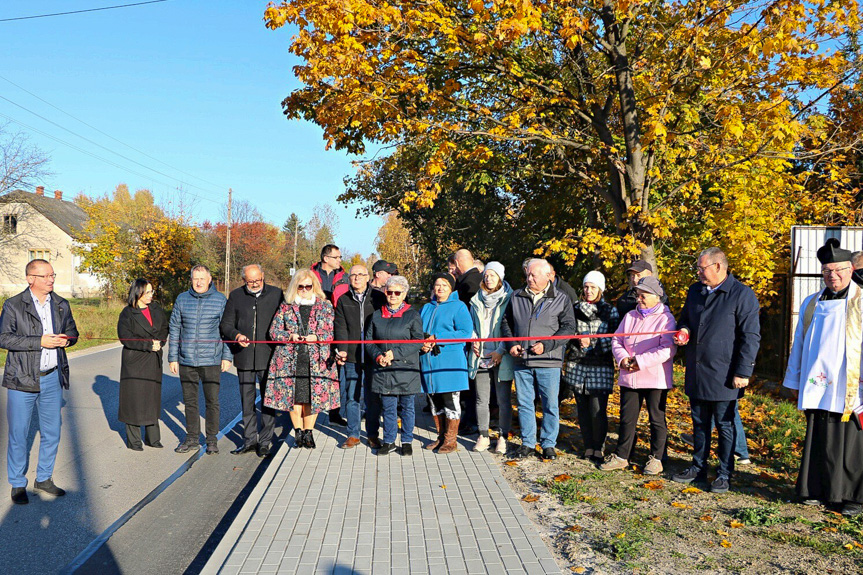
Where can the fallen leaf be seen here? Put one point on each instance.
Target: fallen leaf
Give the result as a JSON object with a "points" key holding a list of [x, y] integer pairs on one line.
{"points": [[829, 529], [857, 545], [443, 486], [530, 498], [562, 477], [621, 535], [511, 462], [722, 533], [657, 519], [706, 518], [725, 543], [735, 524], [574, 528], [577, 569], [768, 474], [653, 485], [689, 490], [848, 546], [644, 498], [237, 468], [681, 505]]}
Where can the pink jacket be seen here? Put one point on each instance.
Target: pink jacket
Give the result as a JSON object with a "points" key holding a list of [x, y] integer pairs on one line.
{"points": [[654, 353]]}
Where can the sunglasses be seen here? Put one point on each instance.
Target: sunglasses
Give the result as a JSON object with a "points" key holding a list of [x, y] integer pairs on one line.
{"points": [[304, 287], [390, 292]]}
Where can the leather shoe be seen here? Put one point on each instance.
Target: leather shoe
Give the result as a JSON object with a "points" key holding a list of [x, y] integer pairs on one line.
{"points": [[523, 451], [338, 420], [549, 454], [48, 487], [310, 441], [19, 496], [852, 509], [263, 450], [245, 449], [350, 443], [407, 449], [134, 447], [157, 445], [375, 442]]}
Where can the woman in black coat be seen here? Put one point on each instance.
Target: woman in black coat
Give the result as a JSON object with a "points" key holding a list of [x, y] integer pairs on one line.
{"points": [[143, 330], [396, 377]]}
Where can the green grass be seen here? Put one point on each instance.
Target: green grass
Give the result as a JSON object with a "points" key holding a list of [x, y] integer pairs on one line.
{"points": [[762, 516], [570, 491]]}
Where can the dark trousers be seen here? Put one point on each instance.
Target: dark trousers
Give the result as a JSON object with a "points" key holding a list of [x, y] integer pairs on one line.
{"points": [[254, 432], [721, 413], [468, 399], [209, 376], [353, 376], [630, 407], [389, 408], [374, 407], [593, 420], [152, 433]]}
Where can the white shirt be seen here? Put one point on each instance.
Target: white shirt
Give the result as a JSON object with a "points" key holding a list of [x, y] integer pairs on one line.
{"points": [[49, 356], [816, 367]]}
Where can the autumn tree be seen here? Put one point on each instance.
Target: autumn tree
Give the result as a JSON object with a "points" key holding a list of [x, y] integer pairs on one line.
{"points": [[128, 236], [668, 125], [311, 236], [396, 244], [22, 164]]}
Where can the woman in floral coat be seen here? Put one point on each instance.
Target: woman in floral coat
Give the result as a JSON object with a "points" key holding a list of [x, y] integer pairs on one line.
{"points": [[303, 377]]}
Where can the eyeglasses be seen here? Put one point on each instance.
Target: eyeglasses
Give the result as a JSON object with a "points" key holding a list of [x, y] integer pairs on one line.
{"points": [[838, 271], [703, 269], [254, 282], [354, 276], [391, 292], [334, 257], [304, 287], [44, 277]]}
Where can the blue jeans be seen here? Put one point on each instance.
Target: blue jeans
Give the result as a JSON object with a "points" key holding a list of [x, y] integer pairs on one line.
{"points": [[353, 376], [741, 450], [547, 379], [19, 410], [705, 414], [390, 405]]}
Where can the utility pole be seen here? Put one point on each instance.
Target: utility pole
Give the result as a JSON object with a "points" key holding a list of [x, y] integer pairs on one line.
{"points": [[228, 248], [296, 230]]}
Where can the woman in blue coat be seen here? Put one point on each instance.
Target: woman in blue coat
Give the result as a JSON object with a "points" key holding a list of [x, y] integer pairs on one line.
{"points": [[444, 366]]}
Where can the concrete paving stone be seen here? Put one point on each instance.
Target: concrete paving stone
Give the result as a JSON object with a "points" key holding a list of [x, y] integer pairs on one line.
{"points": [[229, 570], [550, 565], [475, 567]]}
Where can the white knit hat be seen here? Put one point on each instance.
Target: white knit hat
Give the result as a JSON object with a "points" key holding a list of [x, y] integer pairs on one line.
{"points": [[496, 267], [596, 278]]}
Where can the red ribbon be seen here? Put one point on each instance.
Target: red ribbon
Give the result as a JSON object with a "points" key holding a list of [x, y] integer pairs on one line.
{"points": [[397, 341]]}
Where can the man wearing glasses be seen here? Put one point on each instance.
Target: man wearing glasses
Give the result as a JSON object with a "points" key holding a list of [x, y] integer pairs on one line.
{"points": [[334, 283], [824, 372], [247, 318], [720, 328], [36, 326], [330, 273], [196, 352], [353, 313]]}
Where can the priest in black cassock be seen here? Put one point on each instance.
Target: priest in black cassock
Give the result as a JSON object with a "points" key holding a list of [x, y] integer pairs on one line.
{"points": [[824, 371]]}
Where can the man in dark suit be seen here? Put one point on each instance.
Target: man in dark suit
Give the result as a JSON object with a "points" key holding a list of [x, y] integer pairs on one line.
{"points": [[248, 314], [36, 326], [720, 328]]}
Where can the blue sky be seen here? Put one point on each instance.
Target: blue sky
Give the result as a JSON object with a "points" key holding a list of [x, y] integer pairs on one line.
{"points": [[196, 84]]}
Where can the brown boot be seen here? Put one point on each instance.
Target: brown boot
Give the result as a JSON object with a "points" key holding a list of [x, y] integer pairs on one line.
{"points": [[450, 443], [438, 424]]}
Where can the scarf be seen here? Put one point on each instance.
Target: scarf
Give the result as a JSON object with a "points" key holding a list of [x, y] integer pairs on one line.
{"points": [[490, 300], [396, 310], [304, 301], [647, 312]]}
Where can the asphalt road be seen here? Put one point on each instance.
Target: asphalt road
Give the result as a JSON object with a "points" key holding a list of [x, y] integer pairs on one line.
{"points": [[104, 479]]}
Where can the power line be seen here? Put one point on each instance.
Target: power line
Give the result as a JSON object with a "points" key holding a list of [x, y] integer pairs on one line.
{"points": [[106, 134], [105, 148], [107, 161], [82, 11]]}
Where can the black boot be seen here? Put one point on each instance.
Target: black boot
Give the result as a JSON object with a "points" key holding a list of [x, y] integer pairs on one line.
{"points": [[310, 441], [299, 438]]}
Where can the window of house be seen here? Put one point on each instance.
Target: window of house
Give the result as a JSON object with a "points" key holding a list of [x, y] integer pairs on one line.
{"points": [[10, 225], [40, 255]]}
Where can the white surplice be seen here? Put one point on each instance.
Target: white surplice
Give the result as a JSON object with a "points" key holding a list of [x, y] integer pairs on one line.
{"points": [[817, 364]]}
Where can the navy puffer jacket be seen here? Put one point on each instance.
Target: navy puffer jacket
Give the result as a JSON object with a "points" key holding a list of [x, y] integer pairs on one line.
{"points": [[195, 338]]}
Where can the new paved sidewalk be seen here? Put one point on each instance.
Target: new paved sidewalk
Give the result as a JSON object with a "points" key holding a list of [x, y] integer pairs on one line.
{"points": [[329, 510]]}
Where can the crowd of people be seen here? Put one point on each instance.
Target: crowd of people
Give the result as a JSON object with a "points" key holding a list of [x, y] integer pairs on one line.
{"points": [[347, 343]]}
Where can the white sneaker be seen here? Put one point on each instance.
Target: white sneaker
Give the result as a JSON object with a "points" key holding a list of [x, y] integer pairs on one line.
{"points": [[482, 443], [501, 445]]}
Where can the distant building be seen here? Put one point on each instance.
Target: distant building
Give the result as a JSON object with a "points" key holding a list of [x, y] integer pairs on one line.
{"points": [[35, 226]]}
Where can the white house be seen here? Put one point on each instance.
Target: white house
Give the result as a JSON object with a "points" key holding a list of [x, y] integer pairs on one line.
{"points": [[33, 225]]}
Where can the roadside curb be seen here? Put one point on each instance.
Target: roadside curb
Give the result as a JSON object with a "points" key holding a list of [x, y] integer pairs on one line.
{"points": [[238, 525]]}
